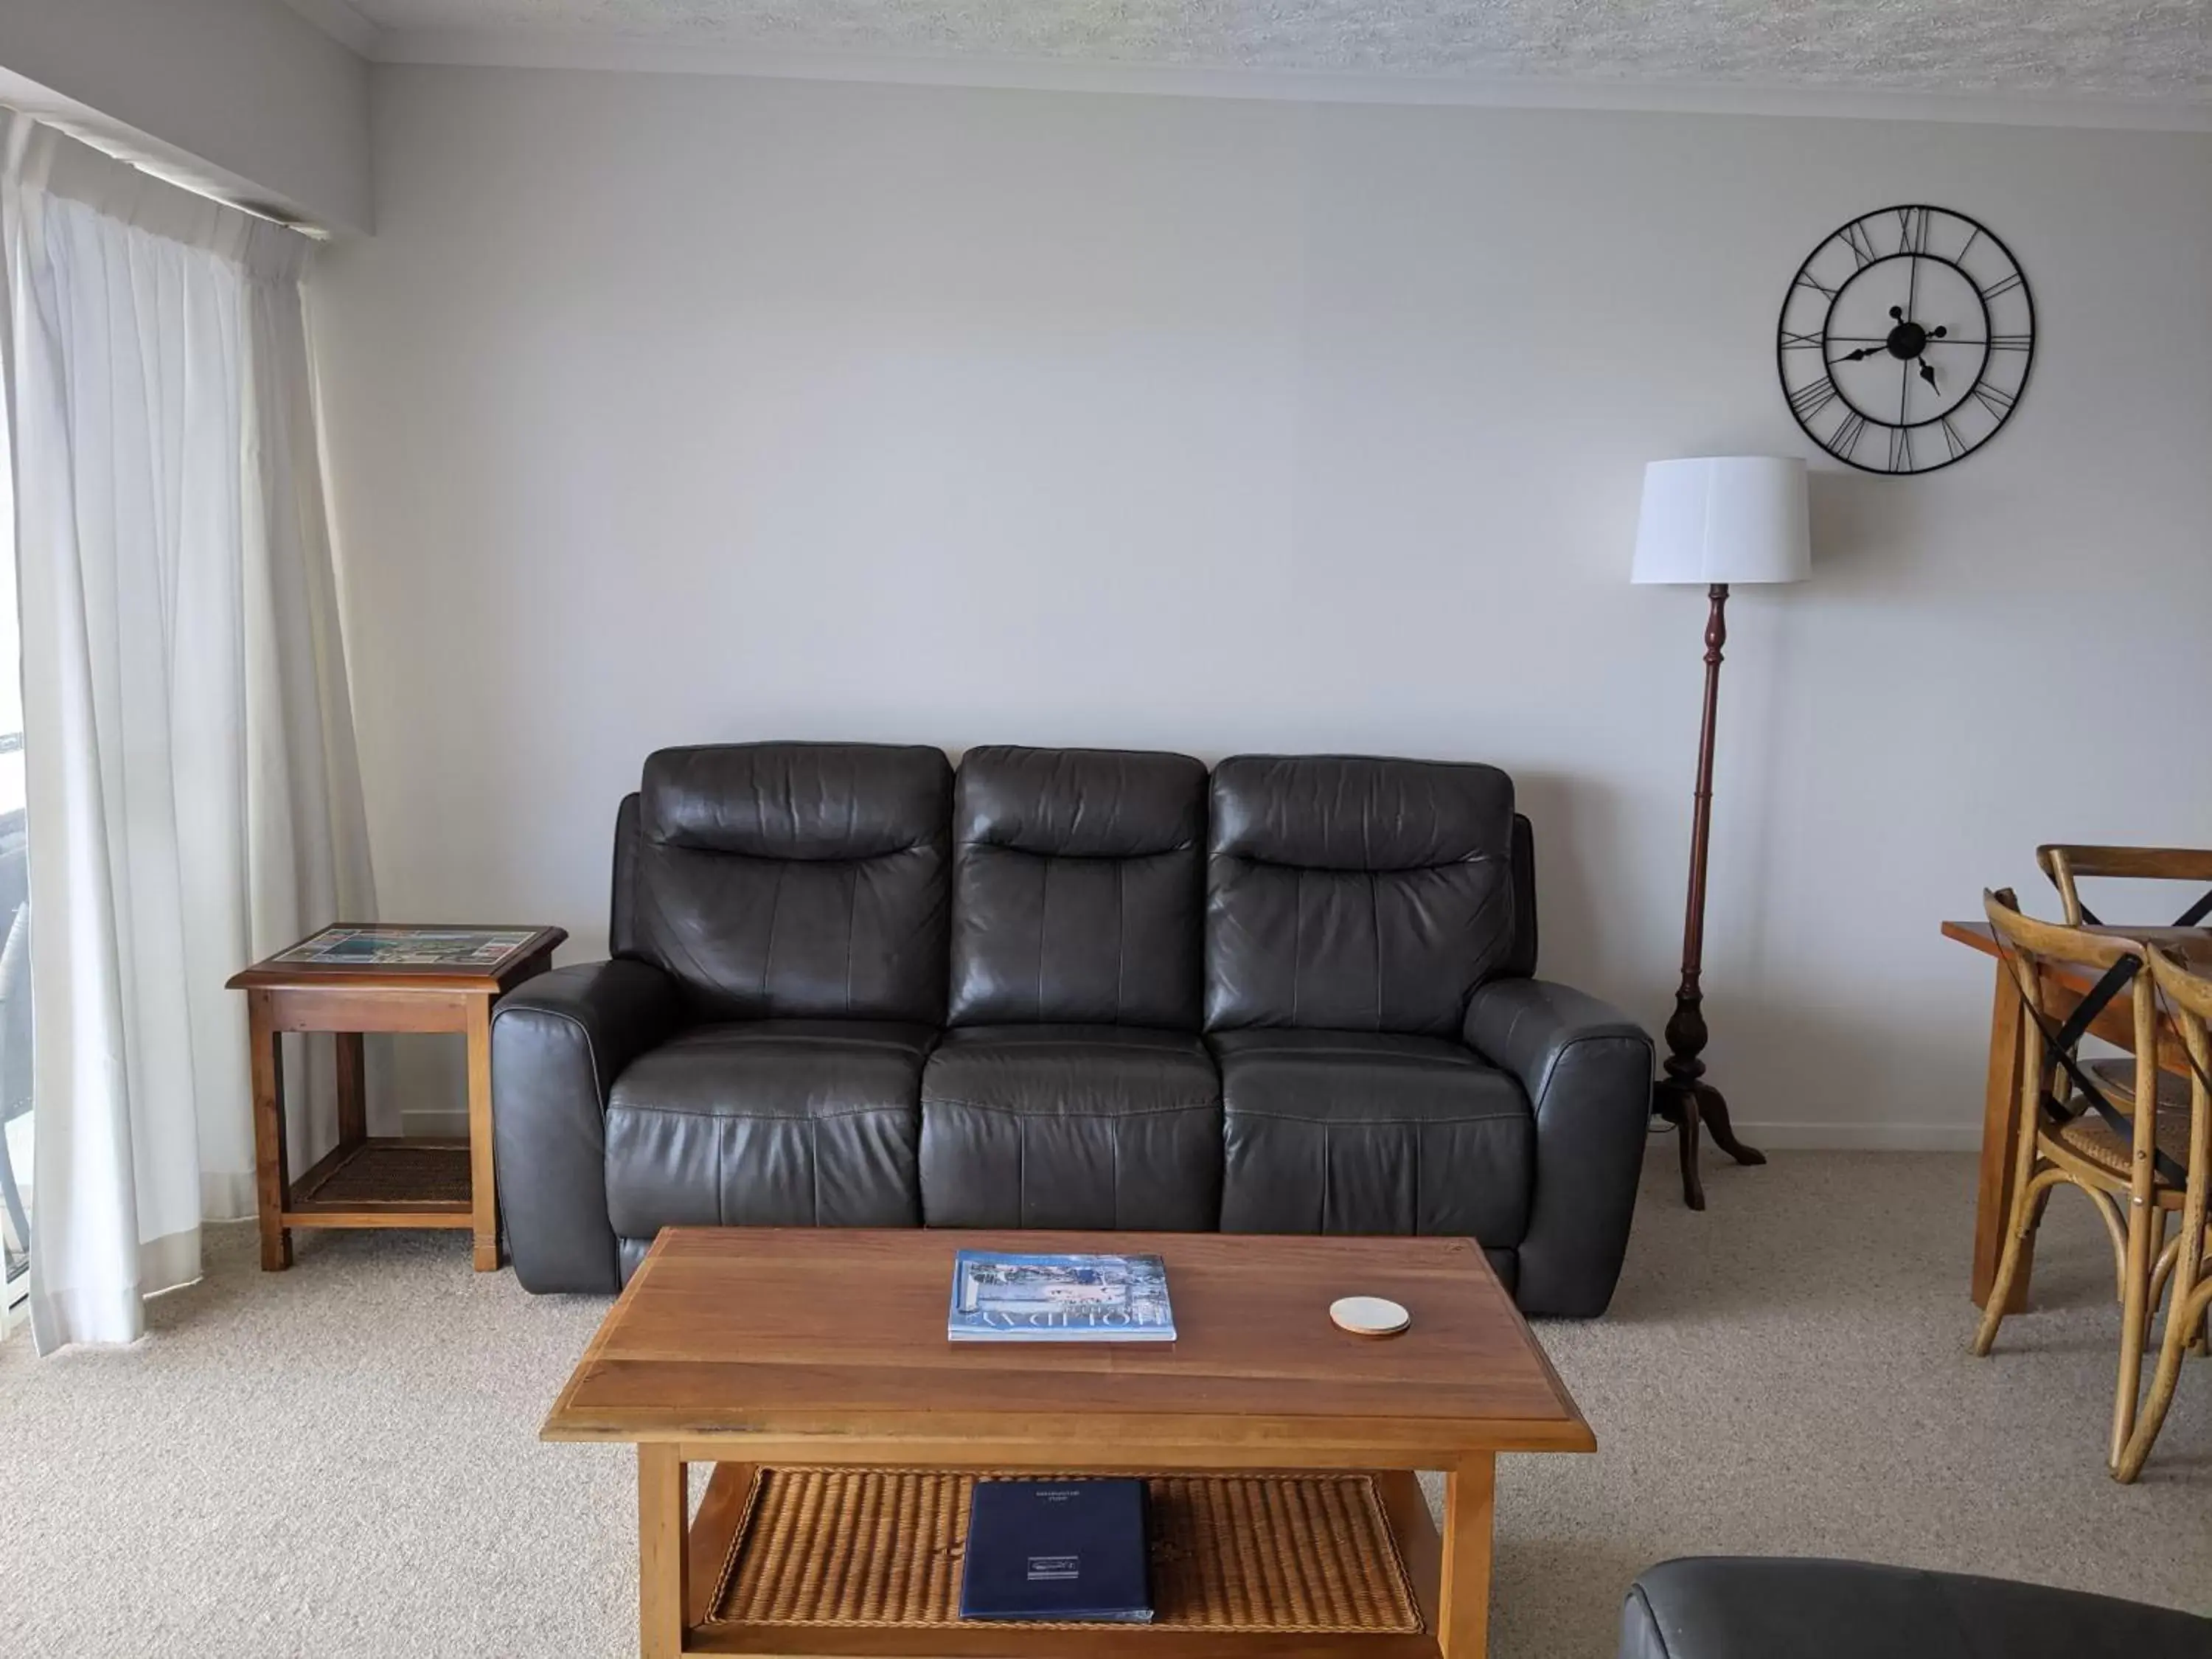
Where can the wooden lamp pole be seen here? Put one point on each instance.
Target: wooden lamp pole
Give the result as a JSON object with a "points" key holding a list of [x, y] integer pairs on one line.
{"points": [[1681, 1095], [1713, 522]]}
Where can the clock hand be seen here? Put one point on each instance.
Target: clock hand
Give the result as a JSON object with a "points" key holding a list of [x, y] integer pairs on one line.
{"points": [[1863, 353], [1928, 373]]}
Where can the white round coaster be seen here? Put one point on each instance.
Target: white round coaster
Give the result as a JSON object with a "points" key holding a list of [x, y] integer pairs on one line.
{"points": [[1369, 1315]]}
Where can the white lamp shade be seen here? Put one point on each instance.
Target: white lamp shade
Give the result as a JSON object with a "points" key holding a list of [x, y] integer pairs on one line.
{"points": [[1723, 518]]}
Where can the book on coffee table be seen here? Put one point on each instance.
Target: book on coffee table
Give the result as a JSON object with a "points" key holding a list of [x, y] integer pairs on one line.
{"points": [[1001, 1296], [1063, 1550]]}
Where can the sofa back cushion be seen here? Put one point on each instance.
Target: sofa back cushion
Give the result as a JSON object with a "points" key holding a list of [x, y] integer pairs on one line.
{"points": [[1078, 887], [793, 879], [1356, 894]]}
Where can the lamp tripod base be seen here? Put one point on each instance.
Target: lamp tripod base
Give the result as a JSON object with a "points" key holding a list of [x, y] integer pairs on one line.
{"points": [[1686, 1103]]}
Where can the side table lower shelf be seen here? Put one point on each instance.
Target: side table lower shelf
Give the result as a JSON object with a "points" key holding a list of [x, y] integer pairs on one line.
{"points": [[386, 1181]]}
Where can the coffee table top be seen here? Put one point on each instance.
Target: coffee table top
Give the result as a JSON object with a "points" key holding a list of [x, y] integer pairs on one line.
{"points": [[840, 1333]]}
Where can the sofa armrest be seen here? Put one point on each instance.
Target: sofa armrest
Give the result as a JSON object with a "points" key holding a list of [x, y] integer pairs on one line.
{"points": [[1587, 1069], [558, 1041]]}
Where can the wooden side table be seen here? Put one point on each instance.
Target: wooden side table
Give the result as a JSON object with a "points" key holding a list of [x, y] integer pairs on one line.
{"points": [[350, 980]]}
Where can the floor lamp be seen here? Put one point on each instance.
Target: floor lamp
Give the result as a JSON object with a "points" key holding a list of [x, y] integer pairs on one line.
{"points": [[1714, 521]]}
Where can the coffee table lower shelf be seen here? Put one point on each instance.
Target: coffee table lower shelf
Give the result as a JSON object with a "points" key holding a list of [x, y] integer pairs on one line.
{"points": [[1246, 1565]]}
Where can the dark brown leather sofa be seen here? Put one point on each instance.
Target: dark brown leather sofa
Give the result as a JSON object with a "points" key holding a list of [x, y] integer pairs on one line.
{"points": [[1069, 988], [1721, 1606]]}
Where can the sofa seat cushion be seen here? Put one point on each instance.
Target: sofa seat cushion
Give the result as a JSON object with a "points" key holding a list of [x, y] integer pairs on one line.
{"points": [[770, 1122], [1107, 1127], [1362, 1131]]}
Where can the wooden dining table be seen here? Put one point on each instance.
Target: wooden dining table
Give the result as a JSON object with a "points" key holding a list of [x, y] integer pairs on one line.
{"points": [[2007, 1054]]}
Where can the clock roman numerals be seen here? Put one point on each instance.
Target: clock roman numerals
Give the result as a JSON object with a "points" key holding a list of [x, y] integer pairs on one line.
{"points": [[1925, 335], [1811, 398]]}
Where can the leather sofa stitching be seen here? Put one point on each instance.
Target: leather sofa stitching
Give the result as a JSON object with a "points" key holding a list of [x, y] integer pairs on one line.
{"points": [[1536, 1101], [1044, 910], [1291, 1055], [1113, 1176], [768, 956], [1375, 926], [1261, 862], [1366, 1121], [1121, 941], [851, 924], [754, 1043], [1651, 1618], [591, 1049], [1104, 1117], [827, 1112], [650, 907], [721, 1179], [1328, 1165]]}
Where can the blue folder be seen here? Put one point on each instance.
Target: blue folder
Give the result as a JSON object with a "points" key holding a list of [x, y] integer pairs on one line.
{"points": [[1068, 1550]]}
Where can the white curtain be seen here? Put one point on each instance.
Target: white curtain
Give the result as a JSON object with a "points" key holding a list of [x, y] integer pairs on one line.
{"points": [[193, 794]]}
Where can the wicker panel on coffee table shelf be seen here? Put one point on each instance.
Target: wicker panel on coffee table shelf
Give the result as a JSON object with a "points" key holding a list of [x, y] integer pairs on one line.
{"points": [[855, 1548]]}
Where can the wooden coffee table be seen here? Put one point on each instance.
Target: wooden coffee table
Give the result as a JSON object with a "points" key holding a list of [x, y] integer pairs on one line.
{"points": [[776, 1354]]}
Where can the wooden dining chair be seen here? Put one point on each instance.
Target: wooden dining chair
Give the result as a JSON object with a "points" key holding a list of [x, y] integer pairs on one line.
{"points": [[2067, 866], [2070, 1131], [2181, 1269]]}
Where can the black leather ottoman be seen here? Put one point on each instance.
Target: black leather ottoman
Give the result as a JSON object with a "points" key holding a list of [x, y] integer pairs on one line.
{"points": [[1754, 1607]]}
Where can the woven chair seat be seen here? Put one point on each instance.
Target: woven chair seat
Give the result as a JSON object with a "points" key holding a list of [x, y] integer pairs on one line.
{"points": [[2117, 1078], [2087, 1137]]}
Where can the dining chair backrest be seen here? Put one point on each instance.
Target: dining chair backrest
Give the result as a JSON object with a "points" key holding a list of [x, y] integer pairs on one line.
{"points": [[2067, 865], [2055, 1022], [2187, 996]]}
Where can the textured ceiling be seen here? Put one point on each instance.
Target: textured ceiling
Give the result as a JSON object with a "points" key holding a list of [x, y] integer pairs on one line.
{"points": [[2146, 49]]}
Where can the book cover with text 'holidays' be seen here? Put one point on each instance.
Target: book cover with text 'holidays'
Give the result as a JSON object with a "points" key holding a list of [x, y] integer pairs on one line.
{"points": [[1002, 1297]]}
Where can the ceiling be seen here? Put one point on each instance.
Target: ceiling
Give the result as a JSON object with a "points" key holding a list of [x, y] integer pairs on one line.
{"points": [[2155, 50]]}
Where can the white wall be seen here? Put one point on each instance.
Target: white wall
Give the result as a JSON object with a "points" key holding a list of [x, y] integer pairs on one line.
{"points": [[669, 408], [277, 109]]}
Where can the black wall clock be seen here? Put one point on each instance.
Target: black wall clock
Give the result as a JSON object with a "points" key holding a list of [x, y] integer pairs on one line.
{"points": [[1905, 339]]}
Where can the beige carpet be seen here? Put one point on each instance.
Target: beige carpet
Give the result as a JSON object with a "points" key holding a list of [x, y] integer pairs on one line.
{"points": [[340, 1459]]}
